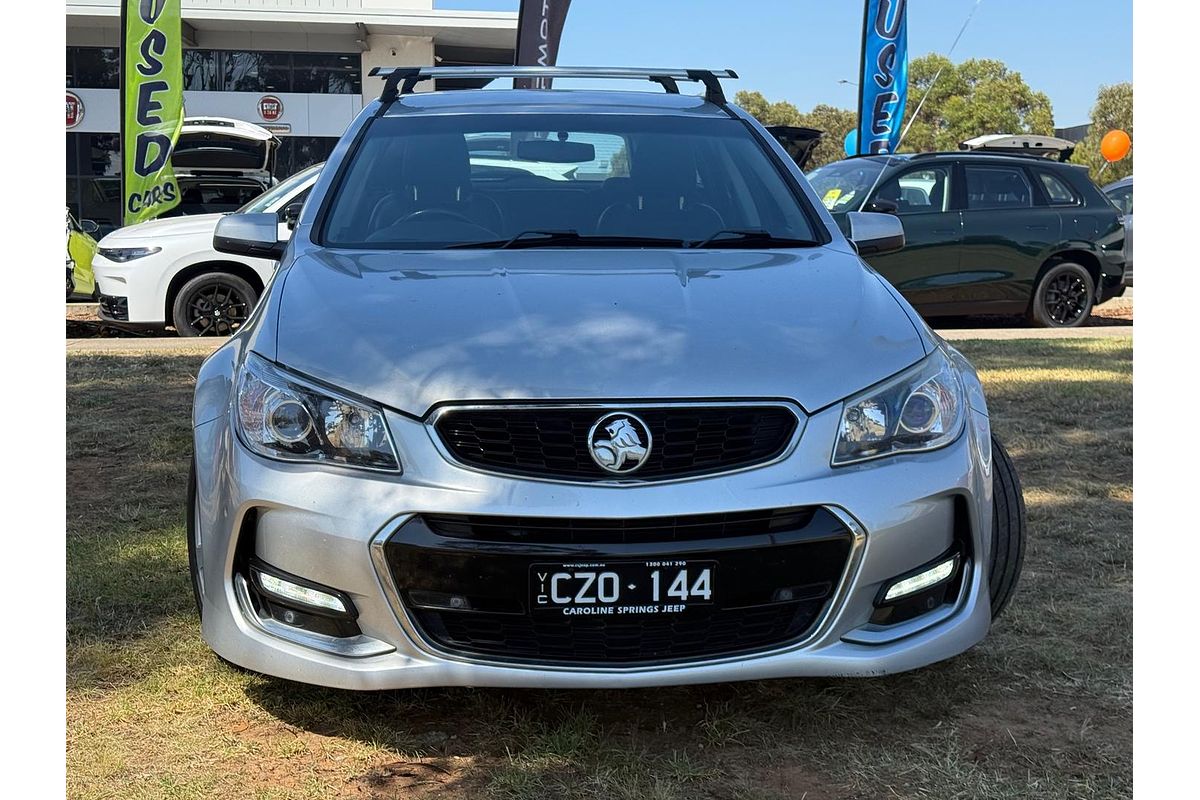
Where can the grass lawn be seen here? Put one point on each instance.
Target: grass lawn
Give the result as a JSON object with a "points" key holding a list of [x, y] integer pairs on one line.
{"points": [[1041, 709]]}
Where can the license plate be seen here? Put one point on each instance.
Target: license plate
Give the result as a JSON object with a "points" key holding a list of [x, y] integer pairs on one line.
{"points": [[617, 588]]}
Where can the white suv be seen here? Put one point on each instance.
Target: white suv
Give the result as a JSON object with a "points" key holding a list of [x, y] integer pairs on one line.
{"points": [[166, 272]]}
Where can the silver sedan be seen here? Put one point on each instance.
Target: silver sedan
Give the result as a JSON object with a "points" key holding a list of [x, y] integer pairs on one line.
{"points": [[649, 421]]}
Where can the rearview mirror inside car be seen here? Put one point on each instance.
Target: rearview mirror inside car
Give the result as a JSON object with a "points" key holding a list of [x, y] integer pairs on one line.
{"points": [[555, 152], [874, 233], [255, 235]]}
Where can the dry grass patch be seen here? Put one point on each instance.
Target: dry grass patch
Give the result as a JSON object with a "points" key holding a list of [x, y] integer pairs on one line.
{"points": [[1041, 709]]}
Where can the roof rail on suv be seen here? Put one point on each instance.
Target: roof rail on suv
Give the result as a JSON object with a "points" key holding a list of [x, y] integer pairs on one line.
{"points": [[402, 80]]}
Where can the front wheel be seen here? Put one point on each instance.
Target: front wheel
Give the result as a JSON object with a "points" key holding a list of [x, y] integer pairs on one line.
{"points": [[1063, 297], [193, 544], [1008, 529], [213, 304]]}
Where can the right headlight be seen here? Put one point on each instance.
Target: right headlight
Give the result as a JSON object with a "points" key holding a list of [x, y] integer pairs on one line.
{"points": [[284, 416], [123, 254], [919, 409]]}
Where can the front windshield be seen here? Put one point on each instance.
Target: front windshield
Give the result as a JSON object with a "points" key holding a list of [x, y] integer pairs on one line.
{"points": [[488, 180], [273, 195], [842, 185]]}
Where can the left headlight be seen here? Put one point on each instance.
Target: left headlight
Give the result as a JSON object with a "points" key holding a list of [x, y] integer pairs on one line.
{"points": [[123, 254], [919, 409], [283, 416]]}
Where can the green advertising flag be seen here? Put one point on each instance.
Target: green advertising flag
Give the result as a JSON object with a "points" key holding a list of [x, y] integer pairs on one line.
{"points": [[151, 106]]}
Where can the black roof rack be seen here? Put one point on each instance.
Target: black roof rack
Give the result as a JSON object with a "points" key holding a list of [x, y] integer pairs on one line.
{"points": [[402, 80]]}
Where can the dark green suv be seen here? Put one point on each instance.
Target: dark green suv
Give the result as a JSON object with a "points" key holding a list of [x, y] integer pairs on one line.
{"points": [[987, 233]]}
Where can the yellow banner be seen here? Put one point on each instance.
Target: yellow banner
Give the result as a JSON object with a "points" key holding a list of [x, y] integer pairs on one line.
{"points": [[152, 106]]}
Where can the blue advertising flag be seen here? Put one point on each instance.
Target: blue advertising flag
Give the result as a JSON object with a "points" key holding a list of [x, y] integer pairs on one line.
{"points": [[883, 80]]}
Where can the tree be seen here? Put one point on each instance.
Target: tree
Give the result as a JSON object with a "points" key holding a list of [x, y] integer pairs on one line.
{"points": [[1113, 111], [766, 112], [976, 97], [834, 122]]}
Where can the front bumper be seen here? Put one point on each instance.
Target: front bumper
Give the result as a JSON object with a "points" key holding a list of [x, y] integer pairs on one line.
{"points": [[332, 527], [135, 284]]}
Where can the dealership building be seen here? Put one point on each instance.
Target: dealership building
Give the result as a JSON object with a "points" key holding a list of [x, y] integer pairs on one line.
{"points": [[296, 67]]}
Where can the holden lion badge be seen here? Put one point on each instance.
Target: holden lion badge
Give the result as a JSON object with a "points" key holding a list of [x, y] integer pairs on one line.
{"points": [[619, 443]]}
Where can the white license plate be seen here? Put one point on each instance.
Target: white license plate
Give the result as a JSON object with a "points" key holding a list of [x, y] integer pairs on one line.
{"points": [[658, 586]]}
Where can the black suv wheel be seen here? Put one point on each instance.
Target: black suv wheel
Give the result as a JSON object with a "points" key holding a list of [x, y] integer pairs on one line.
{"points": [[1063, 297]]}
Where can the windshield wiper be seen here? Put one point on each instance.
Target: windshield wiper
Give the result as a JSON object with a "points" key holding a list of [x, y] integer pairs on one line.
{"points": [[556, 238], [751, 237]]}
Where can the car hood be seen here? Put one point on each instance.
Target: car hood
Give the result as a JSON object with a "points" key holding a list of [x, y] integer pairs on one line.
{"points": [[194, 224], [412, 330]]}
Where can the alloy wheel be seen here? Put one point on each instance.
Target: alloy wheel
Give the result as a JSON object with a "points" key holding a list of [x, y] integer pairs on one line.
{"points": [[1066, 298], [217, 310]]}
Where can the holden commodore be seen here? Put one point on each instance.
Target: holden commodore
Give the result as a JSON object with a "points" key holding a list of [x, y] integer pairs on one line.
{"points": [[648, 421]]}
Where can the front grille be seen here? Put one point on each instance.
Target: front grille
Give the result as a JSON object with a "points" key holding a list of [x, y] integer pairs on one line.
{"points": [[114, 308], [548, 530], [776, 573], [602, 640], [553, 442]]}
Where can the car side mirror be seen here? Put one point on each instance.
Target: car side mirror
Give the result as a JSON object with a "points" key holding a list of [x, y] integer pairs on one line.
{"points": [[89, 226], [254, 235], [874, 234], [291, 213], [881, 206]]}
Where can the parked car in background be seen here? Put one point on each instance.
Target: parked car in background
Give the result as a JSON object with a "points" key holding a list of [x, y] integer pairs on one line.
{"points": [[1121, 194], [81, 248], [166, 272], [220, 165], [661, 427], [986, 232]]}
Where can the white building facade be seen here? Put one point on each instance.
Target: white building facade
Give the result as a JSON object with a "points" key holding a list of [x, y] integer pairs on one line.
{"points": [[298, 67]]}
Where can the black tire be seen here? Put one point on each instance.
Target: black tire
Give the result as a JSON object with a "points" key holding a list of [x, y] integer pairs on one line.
{"points": [[1008, 529], [193, 554], [1063, 297], [70, 285], [213, 304]]}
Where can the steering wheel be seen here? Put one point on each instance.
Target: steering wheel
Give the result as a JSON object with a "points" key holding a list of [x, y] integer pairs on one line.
{"points": [[437, 213]]}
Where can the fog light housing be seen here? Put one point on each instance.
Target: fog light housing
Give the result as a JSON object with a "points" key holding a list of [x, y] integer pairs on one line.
{"points": [[299, 603], [290, 592], [926, 578], [918, 592]]}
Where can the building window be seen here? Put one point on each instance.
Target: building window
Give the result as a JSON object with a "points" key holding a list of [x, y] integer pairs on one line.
{"points": [[200, 71], [93, 68], [246, 71], [229, 71], [324, 73]]}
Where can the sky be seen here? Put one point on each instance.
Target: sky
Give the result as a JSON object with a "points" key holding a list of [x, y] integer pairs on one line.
{"points": [[798, 50]]}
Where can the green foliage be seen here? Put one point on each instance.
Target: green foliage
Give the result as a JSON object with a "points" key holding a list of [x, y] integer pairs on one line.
{"points": [[834, 122], [976, 97], [766, 112], [1113, 111]]}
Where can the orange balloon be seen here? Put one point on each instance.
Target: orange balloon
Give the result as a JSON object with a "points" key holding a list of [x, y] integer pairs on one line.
{"points": [[1115, 145]]}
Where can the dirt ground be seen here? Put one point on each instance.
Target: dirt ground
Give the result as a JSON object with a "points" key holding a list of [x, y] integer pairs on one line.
{"points": [[1041, 709]]}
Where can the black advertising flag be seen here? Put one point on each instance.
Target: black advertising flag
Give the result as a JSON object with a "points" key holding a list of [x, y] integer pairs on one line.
{"points": [[539, 30]]}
